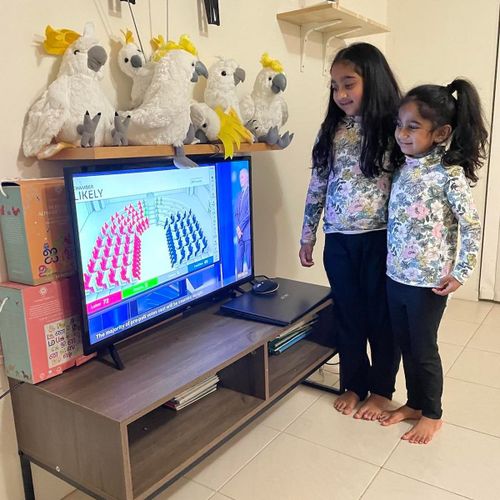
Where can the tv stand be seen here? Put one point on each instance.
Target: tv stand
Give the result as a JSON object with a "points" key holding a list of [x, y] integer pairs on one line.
{"points": [[116, 357], [106, 431]]}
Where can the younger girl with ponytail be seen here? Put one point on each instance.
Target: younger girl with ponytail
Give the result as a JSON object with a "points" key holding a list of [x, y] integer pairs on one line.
{"points": [[442, 136]]}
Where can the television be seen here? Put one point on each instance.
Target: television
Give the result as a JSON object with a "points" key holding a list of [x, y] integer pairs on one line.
{"points": [[152, 240]]}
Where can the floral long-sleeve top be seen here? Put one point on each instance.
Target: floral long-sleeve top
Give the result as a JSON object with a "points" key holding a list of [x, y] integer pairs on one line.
{"points": [[429, 203], [352, 203]]}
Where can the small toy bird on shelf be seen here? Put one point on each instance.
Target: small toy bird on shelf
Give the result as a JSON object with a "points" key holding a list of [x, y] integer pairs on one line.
{"points": [[164, 115], [265, 107], [133, 63], [223, 77], [217, 125], [58, 112]]}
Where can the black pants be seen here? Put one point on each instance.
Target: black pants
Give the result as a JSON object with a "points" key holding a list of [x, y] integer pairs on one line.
{"points": [[356, 266], [416, 313]]}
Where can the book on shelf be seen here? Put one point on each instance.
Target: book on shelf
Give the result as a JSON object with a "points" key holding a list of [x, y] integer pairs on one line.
{"points": [[291, 337], [300, 324], [194, 393]]}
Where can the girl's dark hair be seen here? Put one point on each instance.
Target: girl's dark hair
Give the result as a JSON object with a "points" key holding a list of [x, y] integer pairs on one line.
{"points": [[469, 140], [381, 96]]}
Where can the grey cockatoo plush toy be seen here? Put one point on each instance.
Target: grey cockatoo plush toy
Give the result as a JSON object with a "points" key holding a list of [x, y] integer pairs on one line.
{"points": [[164, 117], [133, 63], [265, 109], [56, 115], [224, 76]]}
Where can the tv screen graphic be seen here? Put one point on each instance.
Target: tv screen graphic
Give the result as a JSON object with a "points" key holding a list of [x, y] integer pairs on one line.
{"points": [[152, 240]]}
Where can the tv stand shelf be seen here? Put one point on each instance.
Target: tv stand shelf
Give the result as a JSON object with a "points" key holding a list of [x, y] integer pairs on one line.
{"points": [[107, 432]]}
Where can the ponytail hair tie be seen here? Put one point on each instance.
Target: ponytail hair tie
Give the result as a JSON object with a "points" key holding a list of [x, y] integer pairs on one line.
{"points": [[451, 88]]}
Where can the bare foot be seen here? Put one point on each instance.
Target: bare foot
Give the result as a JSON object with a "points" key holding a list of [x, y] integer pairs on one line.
{"points": [[423, 431], [372, 408], [346, 402], [402, 413]]}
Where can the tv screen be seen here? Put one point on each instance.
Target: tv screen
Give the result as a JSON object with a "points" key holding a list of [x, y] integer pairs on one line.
{"points": [[152, 240]]}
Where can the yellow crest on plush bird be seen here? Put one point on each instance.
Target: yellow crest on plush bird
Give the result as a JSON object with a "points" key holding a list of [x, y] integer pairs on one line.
{"points": [[57, 41], [232, 131], [163, 48], [159, 45], [268, 62], [129, 37]]}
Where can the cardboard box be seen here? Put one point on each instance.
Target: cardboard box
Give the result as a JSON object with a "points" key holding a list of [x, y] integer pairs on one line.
{"points": [[40, 328], [36, 230]]}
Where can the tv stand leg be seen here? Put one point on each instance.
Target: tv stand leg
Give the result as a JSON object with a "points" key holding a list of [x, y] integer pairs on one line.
{"points": [[116, 357], [29, 492]]}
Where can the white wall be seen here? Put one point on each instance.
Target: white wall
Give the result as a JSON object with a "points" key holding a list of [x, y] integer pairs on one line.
{"points": [[427, 43]]}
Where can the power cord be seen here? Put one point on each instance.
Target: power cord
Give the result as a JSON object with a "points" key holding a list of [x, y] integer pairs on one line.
{"points": [[135, 24], [13, 388]]}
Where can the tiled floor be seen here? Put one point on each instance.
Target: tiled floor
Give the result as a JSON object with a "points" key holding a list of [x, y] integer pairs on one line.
{"points": [[302, 449]]}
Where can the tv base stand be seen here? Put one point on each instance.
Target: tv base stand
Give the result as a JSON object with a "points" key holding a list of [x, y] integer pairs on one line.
{"points": [[115, 357], [106, 431]]}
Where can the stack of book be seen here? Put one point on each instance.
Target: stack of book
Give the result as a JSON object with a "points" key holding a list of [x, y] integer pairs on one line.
{"points": [[289, 337], [194, 393]]}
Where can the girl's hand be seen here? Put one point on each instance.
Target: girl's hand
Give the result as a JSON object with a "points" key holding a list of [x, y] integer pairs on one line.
{"points": [[305, 254], [447, 285]]}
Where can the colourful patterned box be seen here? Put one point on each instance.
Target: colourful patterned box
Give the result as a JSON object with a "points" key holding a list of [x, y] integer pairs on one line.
{"points": [[36, 231], [40, 328]]}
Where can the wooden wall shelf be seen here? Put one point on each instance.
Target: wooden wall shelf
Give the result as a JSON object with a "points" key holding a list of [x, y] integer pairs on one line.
{"points": [[114, 152], [333, 21], [107, 432]]}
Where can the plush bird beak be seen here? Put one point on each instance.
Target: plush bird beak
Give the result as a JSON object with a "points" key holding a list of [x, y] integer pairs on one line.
{"points": [[279, 83], [96, 58], [199, 70], [239, 75], [136, 61]]}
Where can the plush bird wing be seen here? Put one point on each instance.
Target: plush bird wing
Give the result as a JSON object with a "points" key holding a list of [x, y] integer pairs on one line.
{"points": [[247, 108], [284, 111], [46, 117]]}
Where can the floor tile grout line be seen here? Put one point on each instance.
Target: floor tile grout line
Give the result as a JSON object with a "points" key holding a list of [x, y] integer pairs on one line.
{"points": [[474, 383], [279, 431], [445, 374], [370, 483], [472, 348], [219, 493], [306, 409], [426, 483], [470, 429], [245, 464], [332, 449], [478, 328]]}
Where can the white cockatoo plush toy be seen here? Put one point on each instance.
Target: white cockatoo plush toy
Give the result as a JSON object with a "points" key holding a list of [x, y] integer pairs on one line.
{"points": [[133, 63], [164, 115], [214, 125], [223, 77], [265, 109], [57, 115]]}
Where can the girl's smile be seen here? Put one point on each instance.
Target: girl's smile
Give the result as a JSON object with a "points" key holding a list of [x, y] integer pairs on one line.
{"points": [[416, 135], [347, 88]]}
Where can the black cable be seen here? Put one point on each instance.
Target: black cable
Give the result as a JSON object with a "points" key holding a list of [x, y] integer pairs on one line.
{"points": [[135, 26], [11, 389]]}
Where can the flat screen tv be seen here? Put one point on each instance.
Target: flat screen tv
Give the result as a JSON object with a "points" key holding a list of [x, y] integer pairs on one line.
{"points": [[153, 240]]}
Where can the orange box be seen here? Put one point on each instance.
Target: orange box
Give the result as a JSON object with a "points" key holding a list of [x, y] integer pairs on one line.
{"points": [[41, 329], [36, 230]]}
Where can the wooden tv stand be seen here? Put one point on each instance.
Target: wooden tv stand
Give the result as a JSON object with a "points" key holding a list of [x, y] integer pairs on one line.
{"points": [[106, 432]]}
